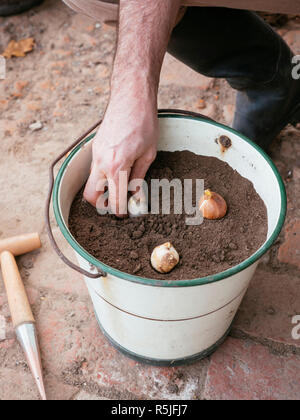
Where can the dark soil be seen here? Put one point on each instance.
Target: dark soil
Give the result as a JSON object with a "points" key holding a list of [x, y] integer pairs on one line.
{"points": [[209, 248]]}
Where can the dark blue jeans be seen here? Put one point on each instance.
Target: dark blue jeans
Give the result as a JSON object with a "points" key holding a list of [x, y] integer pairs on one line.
{"points": [[239, 46]]}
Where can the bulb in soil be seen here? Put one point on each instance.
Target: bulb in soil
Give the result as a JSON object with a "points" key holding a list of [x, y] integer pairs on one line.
{"points": [[137, 207], [164, 258], [212, 205]]}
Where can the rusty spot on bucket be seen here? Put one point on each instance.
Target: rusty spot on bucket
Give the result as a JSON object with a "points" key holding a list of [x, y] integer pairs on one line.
{"points": [[224, 142]]}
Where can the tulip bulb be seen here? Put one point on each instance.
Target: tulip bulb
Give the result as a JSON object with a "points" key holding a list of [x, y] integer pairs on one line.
{"points": [[137, 207], [164, 258], [212, 205]]}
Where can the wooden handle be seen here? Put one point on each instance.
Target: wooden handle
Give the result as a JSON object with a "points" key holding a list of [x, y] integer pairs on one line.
{"points": [[22, 244], [17, 298]]}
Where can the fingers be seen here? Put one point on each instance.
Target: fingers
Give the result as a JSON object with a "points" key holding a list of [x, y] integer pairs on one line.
{"points": [[139, 171], [95, 186], [117, 191], [117, 185], [118, 188]]}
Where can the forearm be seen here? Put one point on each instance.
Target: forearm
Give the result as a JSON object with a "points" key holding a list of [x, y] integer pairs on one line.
{"points": [[127, 139], [144, 31]]}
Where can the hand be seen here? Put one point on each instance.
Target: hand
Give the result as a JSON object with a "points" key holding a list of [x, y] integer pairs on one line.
{"points": [[126, 141]]}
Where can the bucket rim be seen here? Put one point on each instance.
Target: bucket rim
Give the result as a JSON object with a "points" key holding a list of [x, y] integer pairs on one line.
{"points": [[172, 283]]}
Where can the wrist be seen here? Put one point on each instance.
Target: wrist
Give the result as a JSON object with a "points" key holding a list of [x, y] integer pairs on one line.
{"points": [[132, 96], [138, 83], [137, 113]]}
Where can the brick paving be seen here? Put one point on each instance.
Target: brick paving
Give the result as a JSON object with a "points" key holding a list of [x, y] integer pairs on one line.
{"points": [[64, 85], [244, 370]]}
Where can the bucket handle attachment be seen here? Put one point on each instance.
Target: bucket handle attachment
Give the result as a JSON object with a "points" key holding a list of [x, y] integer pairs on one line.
{"points": [[47, 212], [53, 242]]}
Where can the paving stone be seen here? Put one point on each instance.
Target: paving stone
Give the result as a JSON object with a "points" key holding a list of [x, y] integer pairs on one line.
{"points": [[228, 113], [6, 344], [175, 72], [61, 324], [74, 350], [2, 328], [296, 173], [84, 396], [4, 309], [209, 110], [293, 39], [17, 384], [289, 251], [243, 370], [269, 306], [63, 279], [58, 391], [148, 382]]}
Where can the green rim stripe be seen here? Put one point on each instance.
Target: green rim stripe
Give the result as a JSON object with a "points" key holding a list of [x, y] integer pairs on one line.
{"points": [[171, 283]]}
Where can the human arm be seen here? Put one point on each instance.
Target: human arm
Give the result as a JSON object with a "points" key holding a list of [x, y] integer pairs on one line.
{"points": [[127, 138]]}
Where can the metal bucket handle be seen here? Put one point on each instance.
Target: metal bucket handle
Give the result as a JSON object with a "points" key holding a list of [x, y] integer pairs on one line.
{"points": [[51, 184]]}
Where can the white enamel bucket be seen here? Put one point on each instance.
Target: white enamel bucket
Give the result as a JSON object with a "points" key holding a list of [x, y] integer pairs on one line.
{"points": [[171, 322]]}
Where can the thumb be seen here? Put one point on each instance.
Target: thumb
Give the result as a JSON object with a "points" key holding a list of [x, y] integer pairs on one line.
{"points": [[95, 186]]}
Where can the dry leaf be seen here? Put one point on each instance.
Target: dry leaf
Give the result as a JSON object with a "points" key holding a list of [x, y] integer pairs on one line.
{"points": [[19, 48]]}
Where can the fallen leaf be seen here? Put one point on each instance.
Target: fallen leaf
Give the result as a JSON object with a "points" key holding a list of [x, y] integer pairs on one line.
{"points": [[19, 48]]}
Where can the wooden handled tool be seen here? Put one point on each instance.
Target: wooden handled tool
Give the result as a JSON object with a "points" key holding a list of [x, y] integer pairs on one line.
{"points": [[22, 244], [17, 298], [22, 317]]}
